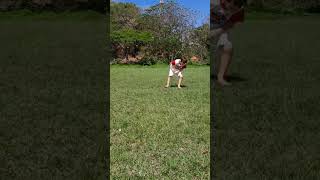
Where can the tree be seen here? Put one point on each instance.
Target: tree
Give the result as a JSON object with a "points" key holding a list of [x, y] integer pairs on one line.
{"points": [[129, 39], [161, 32], [124, 15], [171, 24]]}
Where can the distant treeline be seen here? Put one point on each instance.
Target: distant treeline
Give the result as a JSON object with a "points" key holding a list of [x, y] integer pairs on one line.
{"points": [[285, 6], [54, 5], [157, 34]]}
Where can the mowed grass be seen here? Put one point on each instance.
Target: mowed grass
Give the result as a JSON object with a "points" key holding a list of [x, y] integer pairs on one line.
{"points": [[52, 89], [159, 133], [267, 123]]}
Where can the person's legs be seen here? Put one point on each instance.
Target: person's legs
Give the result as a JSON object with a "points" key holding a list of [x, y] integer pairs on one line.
{"points": [[225, 60], [168, 81], [169, 77], [179, 83], [180, 79], [225, 55], [230, 51]]}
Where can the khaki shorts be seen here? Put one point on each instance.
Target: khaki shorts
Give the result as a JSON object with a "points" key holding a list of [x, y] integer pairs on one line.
{"points": [[173, 71], [221, 41], [224, 41]]}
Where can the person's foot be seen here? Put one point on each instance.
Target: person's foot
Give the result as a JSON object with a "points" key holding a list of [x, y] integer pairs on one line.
{"points": [[179, 87], [224, 83], [166, 86]]}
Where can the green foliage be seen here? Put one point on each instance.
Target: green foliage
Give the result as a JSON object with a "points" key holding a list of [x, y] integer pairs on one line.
{"points": [[130, 36], [148, 61], [123, 15], [161, 32], [200, 43], [130, 40], [166, 47]]}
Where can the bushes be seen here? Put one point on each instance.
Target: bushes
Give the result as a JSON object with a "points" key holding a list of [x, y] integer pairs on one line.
{"points": [[158, 33], [116, 61], [147, 61]]}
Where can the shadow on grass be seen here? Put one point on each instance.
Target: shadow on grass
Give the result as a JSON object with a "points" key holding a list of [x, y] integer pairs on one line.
{"points": [[231, 78], [175, 85]]}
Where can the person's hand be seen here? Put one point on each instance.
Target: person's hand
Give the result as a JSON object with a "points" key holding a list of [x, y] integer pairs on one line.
{"points": [[183, 66]]}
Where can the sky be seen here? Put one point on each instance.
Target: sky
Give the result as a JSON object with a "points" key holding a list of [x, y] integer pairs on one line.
{"points": [[201, 6]]}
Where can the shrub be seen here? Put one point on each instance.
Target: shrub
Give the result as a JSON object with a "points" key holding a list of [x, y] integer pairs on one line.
{"points": [[147, 61], [115, 61]]}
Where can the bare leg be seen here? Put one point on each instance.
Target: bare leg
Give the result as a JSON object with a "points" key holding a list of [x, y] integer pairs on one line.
{"points": [[168, 82], [225, 60], [179, 83], [228, 65]]}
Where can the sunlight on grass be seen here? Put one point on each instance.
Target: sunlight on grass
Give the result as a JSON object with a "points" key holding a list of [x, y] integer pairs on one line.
{"points": [[158, 132]]}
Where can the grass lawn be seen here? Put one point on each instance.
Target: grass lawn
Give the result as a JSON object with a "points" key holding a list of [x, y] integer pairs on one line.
{"points": [[159, 133], [51, 96], [267, 124]]}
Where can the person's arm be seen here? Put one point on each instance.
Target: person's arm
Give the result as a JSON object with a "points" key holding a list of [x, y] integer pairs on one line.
{"points": [[217, 32], [235, 20], [175, 65], [218, 20], [183, 66]]}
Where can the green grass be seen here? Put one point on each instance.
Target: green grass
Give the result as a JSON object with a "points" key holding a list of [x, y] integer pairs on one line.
{"points": [[159, 133], [51, 15], [51, 97], [267, 123], [52, 89], [265, 15]]}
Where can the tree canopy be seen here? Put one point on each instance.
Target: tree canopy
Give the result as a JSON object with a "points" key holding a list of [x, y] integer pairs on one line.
{"points": [[161, 32]]}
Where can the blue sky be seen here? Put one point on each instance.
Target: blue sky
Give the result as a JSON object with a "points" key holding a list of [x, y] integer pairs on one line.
{"points": [[201, 6]]}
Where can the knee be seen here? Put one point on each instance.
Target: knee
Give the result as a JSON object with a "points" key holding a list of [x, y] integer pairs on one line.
{"points": [[228, 50]]}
